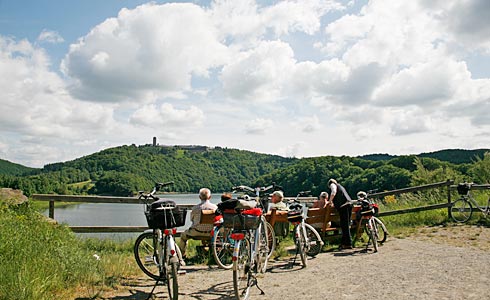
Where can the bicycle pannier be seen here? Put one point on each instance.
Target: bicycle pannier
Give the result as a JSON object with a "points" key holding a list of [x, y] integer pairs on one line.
{"points": [[243, 221]]}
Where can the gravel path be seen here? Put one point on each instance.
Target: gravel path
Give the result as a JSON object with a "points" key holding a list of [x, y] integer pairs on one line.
{"points": [[419, 267]]}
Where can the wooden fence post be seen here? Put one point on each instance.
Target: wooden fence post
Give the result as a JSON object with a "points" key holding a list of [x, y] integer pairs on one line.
{"points": [[448, 199], [51, 209]]}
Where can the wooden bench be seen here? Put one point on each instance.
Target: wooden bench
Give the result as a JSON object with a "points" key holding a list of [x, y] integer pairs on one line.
{"points": [[207, 221], [274, 217], [324, 220]]}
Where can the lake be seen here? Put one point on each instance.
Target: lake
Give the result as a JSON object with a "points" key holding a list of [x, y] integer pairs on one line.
{"points": [[115, 214]]}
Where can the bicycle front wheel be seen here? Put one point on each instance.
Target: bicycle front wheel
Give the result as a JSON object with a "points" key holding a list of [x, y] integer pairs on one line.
{"points": [[382, 231], [241, 270], [301, 244], [314, 241], [262, 248], [172, 282], [461, 210], [146, 254], [271, 237], [223, 247]]}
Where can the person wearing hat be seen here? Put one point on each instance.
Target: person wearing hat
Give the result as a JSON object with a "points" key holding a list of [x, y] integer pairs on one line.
{"points": [[280, 228], [277, 201], [339, 197]]}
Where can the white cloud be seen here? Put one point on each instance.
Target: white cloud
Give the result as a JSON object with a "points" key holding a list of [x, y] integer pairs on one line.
{"points": [[166, 116], [149, 52], [409, 122], [50, 36], [35, 103], [258, 126], [259, 75]]}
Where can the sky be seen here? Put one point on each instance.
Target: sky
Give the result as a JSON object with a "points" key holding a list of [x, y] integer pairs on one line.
{"points": [[294, 78]]}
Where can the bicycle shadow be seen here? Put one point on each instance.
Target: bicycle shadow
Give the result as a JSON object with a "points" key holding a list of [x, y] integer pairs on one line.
{"points": [[286, 266], [221, 291], [352, 252]]}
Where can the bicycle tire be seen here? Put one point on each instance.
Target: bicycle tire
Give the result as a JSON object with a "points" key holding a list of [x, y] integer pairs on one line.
{"points": [[382, 231], [271, 239], [223, 247], [301, 244], [458, 210], [314, 240], [371, 231], [145, 255], [172, 278], [262, 248], [241, 270]]}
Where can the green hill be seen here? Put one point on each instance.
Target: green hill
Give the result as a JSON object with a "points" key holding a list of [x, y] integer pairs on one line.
{"points": [[125, 170], [455, 156], [10, 168]]}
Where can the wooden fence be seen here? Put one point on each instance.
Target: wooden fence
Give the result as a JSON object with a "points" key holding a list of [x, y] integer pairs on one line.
{"points": [[448, 185]]}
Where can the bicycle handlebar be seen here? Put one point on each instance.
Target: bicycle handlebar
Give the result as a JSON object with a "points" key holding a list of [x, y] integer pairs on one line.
{"points": [[258, 190]]}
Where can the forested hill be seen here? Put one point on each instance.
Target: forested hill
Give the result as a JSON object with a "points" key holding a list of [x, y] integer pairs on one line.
{"points": [[10, 168], [455, 156], [124, 170]]}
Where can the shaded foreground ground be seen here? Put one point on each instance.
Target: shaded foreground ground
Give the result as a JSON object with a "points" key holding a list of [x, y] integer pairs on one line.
{"points": [[432, 264]]}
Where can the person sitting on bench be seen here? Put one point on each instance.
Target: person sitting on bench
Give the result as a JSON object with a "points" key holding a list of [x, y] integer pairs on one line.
{"points": [[197, 229]]}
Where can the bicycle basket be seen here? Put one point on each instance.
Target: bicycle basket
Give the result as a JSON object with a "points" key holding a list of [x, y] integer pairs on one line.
{"points": [[295, 213], [165, 214], [463, 188], [232, 219]]}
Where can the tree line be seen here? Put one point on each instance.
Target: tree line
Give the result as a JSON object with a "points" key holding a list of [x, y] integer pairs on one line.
{"points": [[124, 170]]}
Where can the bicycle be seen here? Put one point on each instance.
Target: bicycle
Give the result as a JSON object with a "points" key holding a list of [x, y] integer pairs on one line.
{"points": [[368, 222], [155, 250], [250, 233], [306, 238], [462, 209]]}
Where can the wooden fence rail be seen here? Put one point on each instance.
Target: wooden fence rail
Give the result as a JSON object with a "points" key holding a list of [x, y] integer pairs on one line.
{"points": [[449, 185]]}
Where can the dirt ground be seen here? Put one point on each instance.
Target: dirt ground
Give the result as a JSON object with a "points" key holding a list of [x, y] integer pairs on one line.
{"points": [[433, 263]]}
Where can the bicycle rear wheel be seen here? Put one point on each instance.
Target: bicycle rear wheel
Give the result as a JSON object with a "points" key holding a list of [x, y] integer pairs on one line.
{"points": [[314, 240], [241, 270], [461, 210], [172, 282], [146, 255], [223, 247]]}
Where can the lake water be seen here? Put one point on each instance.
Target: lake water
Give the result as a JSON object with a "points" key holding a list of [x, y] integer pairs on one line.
{"points": [[114, 214]]}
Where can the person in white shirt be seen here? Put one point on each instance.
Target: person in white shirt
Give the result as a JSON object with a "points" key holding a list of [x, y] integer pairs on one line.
{"points": [[197, 229]]}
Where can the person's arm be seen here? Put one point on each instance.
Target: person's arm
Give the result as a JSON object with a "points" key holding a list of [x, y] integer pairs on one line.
{"points": [[333, 192]]}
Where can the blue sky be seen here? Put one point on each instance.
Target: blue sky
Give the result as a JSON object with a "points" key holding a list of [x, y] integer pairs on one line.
{"points": [[294, 78]]}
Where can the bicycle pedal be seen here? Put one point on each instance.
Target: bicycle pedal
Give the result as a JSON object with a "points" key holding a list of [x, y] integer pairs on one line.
{"points": [[181, 272]]}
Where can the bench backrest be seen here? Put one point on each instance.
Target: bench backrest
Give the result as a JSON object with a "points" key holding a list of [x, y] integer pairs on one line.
{"points": [[320, 217], [276, 216], [207, 220]]}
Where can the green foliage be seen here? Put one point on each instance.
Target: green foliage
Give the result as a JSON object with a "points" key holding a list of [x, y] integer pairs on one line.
{"points": [[39, 259], [124, 170], [480, 170], [9, 168]]}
